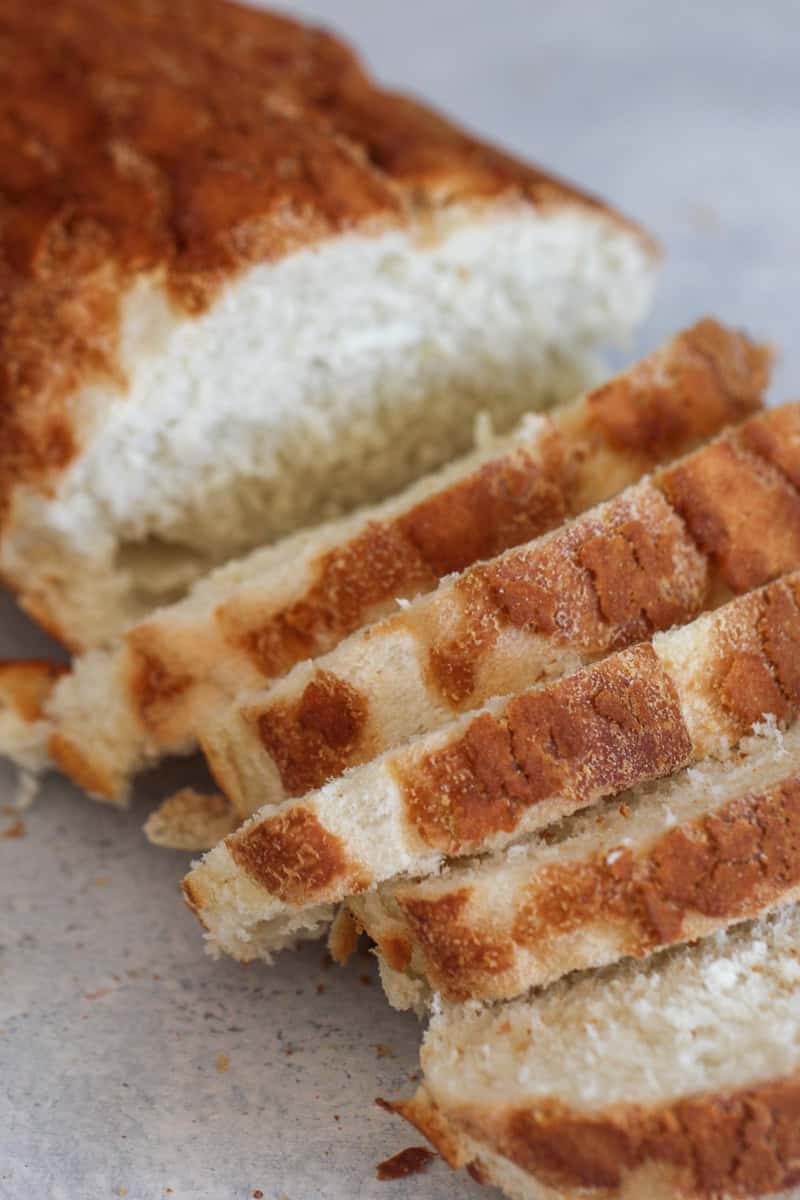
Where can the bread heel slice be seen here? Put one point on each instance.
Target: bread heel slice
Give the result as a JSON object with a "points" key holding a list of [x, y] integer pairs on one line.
{"points": [[679, 1076]]}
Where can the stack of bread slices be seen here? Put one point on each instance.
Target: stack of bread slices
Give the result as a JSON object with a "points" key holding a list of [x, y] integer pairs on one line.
{"points": [[515, 693]]}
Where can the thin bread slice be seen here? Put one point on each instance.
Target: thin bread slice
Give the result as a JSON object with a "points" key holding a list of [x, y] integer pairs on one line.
{"points": [[726, 517], [678, 1077], [715, 844], [254, 619], [245, 289], [518, 765]]}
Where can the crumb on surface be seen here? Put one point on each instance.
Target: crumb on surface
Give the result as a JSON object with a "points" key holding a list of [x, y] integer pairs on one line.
{"points": [[222, 1062], [15, 830], [383, 1051], [410, 1161], [366, 980]]}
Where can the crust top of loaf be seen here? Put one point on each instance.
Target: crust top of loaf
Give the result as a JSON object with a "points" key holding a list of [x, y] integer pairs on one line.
{"points": [[187, 139]]}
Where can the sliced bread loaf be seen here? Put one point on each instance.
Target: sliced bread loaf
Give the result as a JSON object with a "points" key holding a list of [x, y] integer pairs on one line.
{"points": [[713, 845], [725, 519], [245, 289], [122, 708], [679, 1077], [519, 764]]}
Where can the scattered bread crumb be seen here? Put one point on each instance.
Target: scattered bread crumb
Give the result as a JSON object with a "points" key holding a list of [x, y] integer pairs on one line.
{"points": [[410, 1161], [382, 1051], [222, 1062], [15, 830]]}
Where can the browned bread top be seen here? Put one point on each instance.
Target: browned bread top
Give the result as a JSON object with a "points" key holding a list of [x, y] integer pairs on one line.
{"points": [[192, 137]]}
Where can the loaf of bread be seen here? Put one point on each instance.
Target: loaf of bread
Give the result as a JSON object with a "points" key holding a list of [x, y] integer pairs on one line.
{"points": [[123, 707], [673, 1078], [712, 845], [723, 520], [488, 779], [245, 289]]}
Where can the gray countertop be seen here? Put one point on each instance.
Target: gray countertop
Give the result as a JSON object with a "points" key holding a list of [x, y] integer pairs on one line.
{"points": [[133, 1065]]}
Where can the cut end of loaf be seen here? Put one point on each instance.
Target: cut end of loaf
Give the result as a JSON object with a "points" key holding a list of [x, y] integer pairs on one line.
{"points": [[265, 387]]}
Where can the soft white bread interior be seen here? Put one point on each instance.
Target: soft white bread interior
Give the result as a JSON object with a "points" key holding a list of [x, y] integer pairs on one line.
{"points": [[489, 779], [676, 1077], [247, 290], [253, 619], [665, 863], [722, 520]]}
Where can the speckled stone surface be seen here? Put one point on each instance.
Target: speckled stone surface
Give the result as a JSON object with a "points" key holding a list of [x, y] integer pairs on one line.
{"points": [[131, 1064]]}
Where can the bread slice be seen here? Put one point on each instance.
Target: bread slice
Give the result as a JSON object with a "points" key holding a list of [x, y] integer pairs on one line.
{"points": [[676, 1077], [518, 765], [713, 845], [725, 519], [250, 621], [245, 289]]}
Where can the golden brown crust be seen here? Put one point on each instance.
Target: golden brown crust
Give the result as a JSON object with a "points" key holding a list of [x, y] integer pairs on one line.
{"points": [[292, 856], [755, 671], [742, 510], [590, 734], [26, 684], [154, 684], [76, 762], [604, 583], [454, 951], [743, 1142], [712, 376], [730, 863], [188, 138], [313, 738], [776, 438]]}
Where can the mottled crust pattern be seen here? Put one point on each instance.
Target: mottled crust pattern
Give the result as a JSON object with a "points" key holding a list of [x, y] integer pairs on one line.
{"points": [[731, 863], [705, 378], [740, 1143], [726, 518], [610, 579], [188, 138], [174, 672], [591, 734], [523, 763]]}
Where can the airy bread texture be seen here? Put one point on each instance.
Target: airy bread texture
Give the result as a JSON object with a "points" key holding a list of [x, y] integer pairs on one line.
{"points": [[148, 694], [676, 860], [245, 289], [518, 765], [724, 520], [678, 1077]]}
